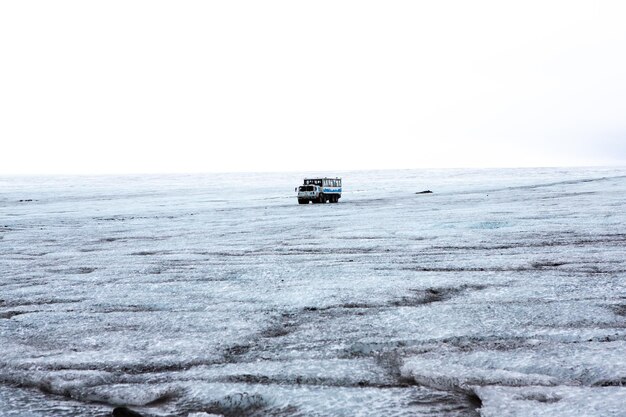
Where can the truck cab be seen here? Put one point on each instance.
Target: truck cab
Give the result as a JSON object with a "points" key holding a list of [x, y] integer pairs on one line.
{"points": [[319, 190]]}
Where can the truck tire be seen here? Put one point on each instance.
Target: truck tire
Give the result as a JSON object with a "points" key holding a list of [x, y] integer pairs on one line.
{"points": [[302, 201], [322, 198]]}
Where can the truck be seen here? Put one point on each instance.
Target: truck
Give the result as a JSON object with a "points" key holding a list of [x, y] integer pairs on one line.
{"points": [[319, 190]]}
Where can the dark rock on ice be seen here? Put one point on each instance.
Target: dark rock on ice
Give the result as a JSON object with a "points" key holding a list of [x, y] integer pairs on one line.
{"points": [[424, 192], [475, 401], [124, 412]]}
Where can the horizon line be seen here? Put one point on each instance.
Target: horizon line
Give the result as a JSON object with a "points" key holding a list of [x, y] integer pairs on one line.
{"points": [[234, 172]]}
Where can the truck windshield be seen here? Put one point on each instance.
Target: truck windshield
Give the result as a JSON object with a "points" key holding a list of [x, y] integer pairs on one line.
{"points": [[306, 188]]}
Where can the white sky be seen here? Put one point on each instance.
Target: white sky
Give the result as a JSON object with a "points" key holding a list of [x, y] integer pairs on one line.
{"points": [[194, 86]]}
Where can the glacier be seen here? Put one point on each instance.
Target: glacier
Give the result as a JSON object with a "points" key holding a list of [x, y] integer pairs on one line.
{"points": [[502, 293]]}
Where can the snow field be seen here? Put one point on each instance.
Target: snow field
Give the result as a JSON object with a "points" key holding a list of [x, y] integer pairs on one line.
{"points": [[502, 293]]}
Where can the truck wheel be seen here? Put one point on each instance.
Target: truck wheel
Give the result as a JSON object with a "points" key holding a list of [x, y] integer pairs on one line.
{"points": [[322, 198], [302, 201]]}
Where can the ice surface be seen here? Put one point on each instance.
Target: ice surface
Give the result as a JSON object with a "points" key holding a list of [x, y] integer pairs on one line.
{"points": [[503, 293]]}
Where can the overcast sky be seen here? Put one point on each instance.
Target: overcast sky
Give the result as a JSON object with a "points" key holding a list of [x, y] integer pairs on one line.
{"points": [[199, 86]]}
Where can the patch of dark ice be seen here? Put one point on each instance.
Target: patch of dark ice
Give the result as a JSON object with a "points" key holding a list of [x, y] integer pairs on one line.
{"points": [[236, 404], [149, 253], [12, 313], [547, 264], [542, 397], [124, 412], [616, 382], [420, 297], [38, 301], [620, 309]]}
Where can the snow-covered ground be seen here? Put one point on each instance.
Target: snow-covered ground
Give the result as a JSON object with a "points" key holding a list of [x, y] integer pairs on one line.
{"points": [[503, 293]]}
